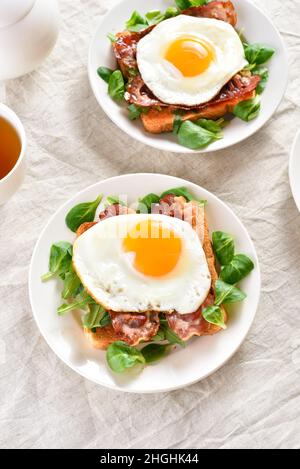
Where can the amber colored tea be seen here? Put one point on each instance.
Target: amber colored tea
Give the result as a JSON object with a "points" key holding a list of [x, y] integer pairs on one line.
{"points": [[10, 147]]}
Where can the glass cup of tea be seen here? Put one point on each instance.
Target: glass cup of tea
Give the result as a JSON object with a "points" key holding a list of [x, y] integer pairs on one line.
{"points": [[12, 153]]}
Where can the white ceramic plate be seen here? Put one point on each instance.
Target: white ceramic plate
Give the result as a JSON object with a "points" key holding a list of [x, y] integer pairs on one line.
{"points": [[182, 367], [257, 28], [295, 170]]}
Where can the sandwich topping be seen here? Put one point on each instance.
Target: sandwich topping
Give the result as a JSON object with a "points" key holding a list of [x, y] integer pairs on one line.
{"points": [[181, 70], [146, 276]]}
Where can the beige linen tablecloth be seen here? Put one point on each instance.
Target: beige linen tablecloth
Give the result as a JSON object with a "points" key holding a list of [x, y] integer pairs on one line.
{"points": [[254, 400]]}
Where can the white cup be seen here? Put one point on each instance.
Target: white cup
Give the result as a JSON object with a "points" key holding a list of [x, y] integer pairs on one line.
{"points": [[13, 180], [28, 32]]}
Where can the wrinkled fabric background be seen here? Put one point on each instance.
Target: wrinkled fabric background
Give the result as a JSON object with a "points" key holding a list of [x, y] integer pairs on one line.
{"points": [[253, 401]]}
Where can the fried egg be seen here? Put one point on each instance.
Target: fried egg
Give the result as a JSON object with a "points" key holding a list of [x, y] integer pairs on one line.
{"points": [[137, 263], [187, 60]]}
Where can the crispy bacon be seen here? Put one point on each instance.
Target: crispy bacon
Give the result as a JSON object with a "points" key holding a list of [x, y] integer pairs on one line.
{"points": [[135, 327], [237, 87], [189, 325], [171, 206], [138, 93], [110, 211], [125, 50], [115, 210], [223, 11]]}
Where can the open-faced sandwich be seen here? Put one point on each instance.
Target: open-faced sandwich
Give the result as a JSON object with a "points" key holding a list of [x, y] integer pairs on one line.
{"points": [[147, 276], [187, 70]]}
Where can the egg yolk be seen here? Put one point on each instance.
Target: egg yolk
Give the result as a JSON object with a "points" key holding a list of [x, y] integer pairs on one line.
{"points": [[156, 249], [191, 55]]}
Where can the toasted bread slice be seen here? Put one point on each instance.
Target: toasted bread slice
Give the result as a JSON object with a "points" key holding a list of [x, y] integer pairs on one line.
{"points": [[103, 337], [159, 121], [211, 262]]}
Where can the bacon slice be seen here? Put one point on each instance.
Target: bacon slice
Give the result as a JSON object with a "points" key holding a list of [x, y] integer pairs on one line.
{"points": [[115, 210], [125, 50], [239, 86], [139, 94], [133, 328], [223, 11], [111, 211], [189, 325]]}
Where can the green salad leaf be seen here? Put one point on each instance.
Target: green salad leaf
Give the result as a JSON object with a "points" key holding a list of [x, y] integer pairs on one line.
{"points": [[226, 293], [154, 17], [238, 268], [223, 245], [214, 315], [80, 303], [82, 213], [250, 67], [195, 135], [116, 86], [145, 204], [171, 12], [199, 3], [154, 352], [258, 53], [136, 111], [60, 260], [264, 75], [183, 4], [72, 285], [97, 317], [115, 81], [212, 126], [121, 356], [182, 192], [247, 110], [136, 22], [114, 199], [177, 123], [159, 336], [170, 335], [112, 37], [105, 73]]}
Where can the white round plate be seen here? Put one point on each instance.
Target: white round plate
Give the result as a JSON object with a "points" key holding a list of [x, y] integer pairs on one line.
{"points": [[180, 368], [257, 28], [294, 170]]}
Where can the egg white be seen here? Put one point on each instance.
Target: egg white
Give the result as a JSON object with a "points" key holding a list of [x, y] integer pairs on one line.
{"points": [[107, 273], [166, 82]]}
